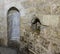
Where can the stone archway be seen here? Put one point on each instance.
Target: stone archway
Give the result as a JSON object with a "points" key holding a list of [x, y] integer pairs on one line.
{"points": [[13, 25]]}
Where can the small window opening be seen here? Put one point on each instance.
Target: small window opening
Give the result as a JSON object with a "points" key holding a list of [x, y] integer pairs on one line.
{"points": [[36, 24]]}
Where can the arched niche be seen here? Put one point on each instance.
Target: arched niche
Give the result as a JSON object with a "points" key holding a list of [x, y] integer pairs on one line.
{"points": [[35, 24], [13, 24]]}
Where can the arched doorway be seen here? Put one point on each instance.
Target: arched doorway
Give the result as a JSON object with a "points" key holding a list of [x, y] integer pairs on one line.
{"points": [[35, 23], [13, 25]]}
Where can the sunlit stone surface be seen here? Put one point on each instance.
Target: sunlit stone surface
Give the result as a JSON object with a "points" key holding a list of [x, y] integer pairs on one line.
{"points": [[48, 12]]}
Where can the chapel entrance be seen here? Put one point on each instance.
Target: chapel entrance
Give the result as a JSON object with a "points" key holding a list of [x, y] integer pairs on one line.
{"points": [[13, 25]]}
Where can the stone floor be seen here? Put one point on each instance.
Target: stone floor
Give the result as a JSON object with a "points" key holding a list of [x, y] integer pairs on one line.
{"points": [[6, 50]]}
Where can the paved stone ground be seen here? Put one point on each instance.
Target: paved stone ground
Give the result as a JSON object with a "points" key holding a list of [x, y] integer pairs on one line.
{"points": [[6, 50]]}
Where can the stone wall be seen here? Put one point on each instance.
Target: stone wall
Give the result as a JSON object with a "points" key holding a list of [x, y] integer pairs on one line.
{"points": [[47, 42], [48, 11]]}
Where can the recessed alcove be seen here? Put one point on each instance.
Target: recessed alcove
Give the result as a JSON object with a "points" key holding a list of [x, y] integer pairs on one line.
{"points": [[13, 25]]}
